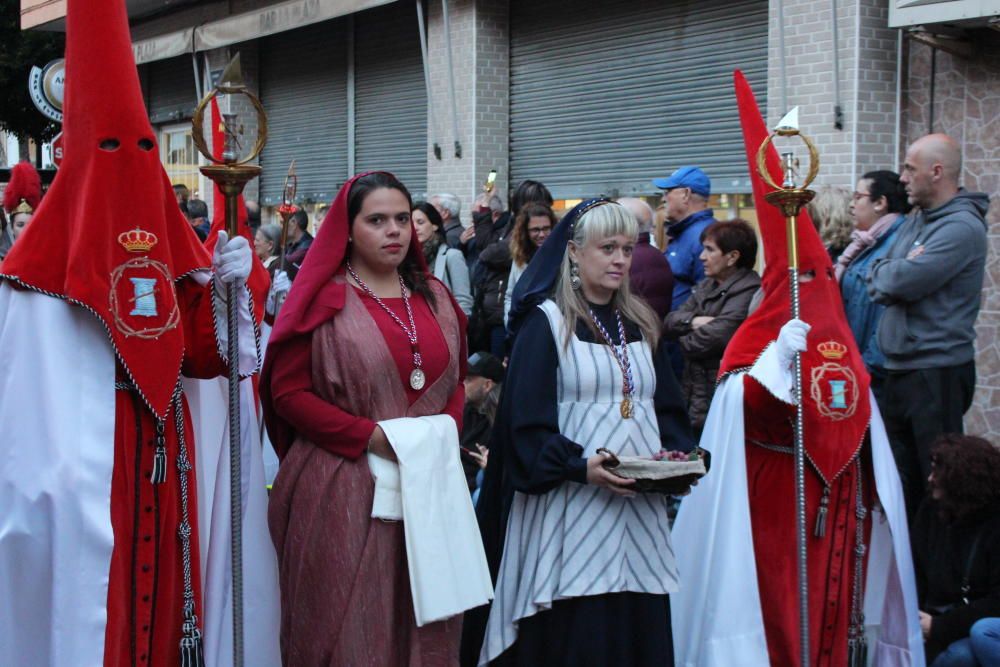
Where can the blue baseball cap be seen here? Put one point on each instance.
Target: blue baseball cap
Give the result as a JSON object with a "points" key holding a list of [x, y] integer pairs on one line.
{"points": [[686, 177]]}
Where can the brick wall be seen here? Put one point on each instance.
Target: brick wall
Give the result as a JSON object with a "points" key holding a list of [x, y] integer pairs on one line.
{"points": [[479, 40], [966, 106], [867, 55]]}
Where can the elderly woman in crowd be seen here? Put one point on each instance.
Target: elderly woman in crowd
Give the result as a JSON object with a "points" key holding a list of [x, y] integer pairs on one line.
{"points": [[533, 224], [267, 246], [831, 213], [956, 551], [718, 305], [446, 263], [585, 565], [879, 210], [366, 336]]}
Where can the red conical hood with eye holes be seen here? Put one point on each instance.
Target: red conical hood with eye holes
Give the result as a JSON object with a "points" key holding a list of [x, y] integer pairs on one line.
{"points": [[109, 235], [834, 379]]}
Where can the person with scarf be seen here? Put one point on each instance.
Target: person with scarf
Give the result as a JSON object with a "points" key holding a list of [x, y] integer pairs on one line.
{"points": [[879, 208], [532, 225], [583, 565], [366, 335], [99, 540], [738, 603], [447, 263]]}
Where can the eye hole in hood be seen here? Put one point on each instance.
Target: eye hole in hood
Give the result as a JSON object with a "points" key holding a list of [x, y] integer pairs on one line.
{"points": [[146, 144], [110, 145]]}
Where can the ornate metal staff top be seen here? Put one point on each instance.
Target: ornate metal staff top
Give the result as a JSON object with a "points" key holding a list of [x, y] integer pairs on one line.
{"points": [[231, 172], [287, 210], [790, 198]]}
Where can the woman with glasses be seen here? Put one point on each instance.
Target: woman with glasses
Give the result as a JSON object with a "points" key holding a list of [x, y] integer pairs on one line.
{"points": [[532, 226], [878, 208]]}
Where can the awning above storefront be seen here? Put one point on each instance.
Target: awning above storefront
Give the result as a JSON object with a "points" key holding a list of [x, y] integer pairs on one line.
{"points": [[265, 21]]}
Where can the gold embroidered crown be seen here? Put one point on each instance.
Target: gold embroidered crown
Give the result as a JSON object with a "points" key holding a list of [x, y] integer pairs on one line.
{"points": [[137, 240], [831, 349], [23, 207]]}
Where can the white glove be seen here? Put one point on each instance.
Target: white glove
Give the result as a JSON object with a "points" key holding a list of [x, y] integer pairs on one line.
{"points": [[791, 339], [231, 260], [279, 290]]}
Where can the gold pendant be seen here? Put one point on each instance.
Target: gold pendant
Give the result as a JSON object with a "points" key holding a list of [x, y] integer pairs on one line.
{"points": [[417, 379], [627, 410]]}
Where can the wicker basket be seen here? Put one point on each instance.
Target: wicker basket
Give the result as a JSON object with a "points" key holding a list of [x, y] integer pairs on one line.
{"points": [[669, 477]]}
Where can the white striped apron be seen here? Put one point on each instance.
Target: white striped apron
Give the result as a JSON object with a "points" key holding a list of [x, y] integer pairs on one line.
{"points": [[579, 540]]}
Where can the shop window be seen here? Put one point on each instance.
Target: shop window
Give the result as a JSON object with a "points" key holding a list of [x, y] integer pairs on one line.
{"points": [[180, 157]]}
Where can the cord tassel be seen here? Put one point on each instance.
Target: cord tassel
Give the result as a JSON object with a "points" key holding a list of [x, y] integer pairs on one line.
{"points": [[192, 652], [821, 514], [159, 474]]}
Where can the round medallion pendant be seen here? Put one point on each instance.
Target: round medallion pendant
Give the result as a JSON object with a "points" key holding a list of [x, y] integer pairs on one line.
{"points": [[417, 379]]}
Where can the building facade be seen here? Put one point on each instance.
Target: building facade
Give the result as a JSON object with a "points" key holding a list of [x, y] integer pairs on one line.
{"points": [[590, 98]]}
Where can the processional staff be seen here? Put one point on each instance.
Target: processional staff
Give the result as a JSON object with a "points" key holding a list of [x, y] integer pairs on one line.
{"points": [[789, 198], [231, 173]]}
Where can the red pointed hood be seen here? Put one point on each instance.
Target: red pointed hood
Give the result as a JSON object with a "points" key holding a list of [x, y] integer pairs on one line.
{"points": [[835, 382], [25, 185], [109, 235], [259, 281]]}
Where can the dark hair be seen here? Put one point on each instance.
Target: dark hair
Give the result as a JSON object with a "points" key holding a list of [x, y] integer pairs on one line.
{"points": [[528, 192], [522, 248], [414, 278], [967, 471], [180, 187], [735, 234], [885, 183], [196, 208], [301, 219], [432, 215]]}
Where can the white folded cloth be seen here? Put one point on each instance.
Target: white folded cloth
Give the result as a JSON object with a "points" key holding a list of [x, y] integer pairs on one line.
{"points": [[444, 551]]}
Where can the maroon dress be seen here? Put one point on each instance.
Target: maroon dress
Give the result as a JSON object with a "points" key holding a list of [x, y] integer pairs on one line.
{"points": [[345, 589]]}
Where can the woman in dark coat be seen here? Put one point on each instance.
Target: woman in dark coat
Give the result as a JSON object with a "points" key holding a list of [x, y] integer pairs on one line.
{"points": [[718, 305], [956, 548]]}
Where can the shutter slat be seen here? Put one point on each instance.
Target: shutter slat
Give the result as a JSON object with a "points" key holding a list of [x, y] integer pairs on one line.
{"points": [[604, 97]]}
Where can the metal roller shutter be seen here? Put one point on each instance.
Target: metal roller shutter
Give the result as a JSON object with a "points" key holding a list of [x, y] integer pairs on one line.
{"points": [[390, 99], [170, 88], [606, 96], [303, 86]]}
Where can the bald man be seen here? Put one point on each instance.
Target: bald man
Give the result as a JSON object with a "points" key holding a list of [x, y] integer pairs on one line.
{"points": [[650, 276], [930, 282]]}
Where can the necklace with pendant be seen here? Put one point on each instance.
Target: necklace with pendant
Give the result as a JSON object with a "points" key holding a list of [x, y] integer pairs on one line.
{"points": [[417, 377], [621, 356]]}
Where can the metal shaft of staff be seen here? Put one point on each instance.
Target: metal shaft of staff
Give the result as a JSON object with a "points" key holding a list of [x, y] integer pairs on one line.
{"points": [[235, 447], [800, 468]]}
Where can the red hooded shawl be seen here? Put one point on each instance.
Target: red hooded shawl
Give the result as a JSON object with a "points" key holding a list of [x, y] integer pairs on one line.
{"points": [[834, 380], [109, 236], [315, 298]]}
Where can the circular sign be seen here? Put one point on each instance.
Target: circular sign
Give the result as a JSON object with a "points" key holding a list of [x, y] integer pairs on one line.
{"points": [[46, 86]]}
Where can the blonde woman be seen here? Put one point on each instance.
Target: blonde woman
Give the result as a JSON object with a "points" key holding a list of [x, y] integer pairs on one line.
{"points": [[831, 214], [584, 575]]}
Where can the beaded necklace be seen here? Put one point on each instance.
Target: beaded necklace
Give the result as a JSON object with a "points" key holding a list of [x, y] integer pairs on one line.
{"points": [[621, 356], [417, 377]]}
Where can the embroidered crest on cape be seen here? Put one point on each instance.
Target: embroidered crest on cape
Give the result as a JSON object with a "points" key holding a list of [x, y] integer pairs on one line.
{"points": [[143, 300], [833, 386]]}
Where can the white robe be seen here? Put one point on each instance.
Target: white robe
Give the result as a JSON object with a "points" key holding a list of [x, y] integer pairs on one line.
{"points": [[208, 401], [716, 616], [57, 434]]}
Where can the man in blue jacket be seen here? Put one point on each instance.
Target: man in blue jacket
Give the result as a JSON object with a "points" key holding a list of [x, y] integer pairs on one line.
{"points": [[930, 282], [685, 193]]}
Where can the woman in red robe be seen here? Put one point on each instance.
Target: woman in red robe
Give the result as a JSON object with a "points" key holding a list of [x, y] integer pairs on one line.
{"points": [[366, 335]]}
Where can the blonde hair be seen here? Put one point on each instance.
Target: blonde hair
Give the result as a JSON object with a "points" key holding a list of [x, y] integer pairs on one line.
{"points": [[831, 214], [601, 222]]}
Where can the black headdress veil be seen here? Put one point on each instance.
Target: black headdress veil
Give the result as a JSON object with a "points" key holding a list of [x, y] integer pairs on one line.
{"points": [[535, 286]]}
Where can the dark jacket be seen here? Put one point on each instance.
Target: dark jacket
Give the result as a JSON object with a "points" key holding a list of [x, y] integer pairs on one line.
{"points": [[703, 347], [651, 277], [933, 299], [453, 234], [493, 267], [683, 252], [296, 254], [941, 557], [476, 429]]}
